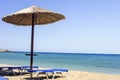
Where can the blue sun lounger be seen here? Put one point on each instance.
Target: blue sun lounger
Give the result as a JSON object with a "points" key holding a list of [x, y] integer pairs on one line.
{"points": [[28, 67], [25, 68], [47, 71]]}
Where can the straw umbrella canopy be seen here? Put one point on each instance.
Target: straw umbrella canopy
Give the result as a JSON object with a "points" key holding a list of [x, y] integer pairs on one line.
{"points": [[33, 16]]}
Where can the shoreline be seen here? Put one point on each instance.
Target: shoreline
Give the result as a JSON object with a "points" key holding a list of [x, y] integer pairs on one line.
{"points": [[72, 75], [91, 63]]}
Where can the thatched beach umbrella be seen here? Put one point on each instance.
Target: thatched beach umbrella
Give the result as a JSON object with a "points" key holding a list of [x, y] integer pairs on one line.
{"points": [[32, 16]]}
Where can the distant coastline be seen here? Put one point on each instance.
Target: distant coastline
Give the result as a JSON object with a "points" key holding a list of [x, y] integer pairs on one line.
{"points": [[3, 50]]}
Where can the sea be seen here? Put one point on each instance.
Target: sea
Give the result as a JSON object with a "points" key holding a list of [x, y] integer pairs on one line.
{"points": [[98, 63]]}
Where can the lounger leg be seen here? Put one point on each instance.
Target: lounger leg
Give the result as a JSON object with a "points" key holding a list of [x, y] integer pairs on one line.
{"points": [[13, 72], [10, 71], [21, 71], [45, 74], [62, 74], [38, 74], [53, 75]]}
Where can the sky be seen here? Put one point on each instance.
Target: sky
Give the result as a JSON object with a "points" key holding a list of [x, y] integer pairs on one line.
{"points": [[91, 26]]}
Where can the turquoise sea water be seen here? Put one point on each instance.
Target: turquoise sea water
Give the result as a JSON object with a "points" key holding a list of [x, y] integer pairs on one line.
{"points": [[100, 63]]}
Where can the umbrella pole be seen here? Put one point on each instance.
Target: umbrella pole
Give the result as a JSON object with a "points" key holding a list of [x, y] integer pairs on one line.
{"points": [[32, 45]]}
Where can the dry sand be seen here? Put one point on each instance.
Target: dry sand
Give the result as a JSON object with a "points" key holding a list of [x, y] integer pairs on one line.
{"points": [[71, 75]]}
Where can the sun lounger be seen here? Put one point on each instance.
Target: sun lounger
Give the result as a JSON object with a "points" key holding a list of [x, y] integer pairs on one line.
{"points": [[28, 67], [47, 71], [3, 78], [25, 68], [9, 69], [21, 69]]}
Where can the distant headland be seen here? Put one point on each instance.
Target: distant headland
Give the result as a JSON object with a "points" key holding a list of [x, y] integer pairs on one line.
{"points": [[3, 50]]}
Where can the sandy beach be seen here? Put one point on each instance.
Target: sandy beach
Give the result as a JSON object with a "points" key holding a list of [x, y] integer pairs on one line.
{"points": [[71, 75]]}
